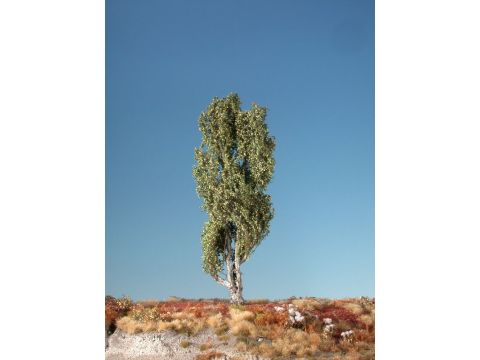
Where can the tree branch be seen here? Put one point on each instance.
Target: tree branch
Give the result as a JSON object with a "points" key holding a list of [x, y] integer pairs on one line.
{"points": [[221, 281]]}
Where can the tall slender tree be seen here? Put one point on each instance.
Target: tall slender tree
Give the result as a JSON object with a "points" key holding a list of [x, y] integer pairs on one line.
{"points": [[234, 165]]}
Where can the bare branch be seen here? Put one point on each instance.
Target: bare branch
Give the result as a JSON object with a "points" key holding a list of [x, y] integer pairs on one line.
{"points": [[221, 281]]}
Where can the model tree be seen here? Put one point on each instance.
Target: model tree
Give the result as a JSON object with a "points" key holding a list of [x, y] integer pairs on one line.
{"points": [[234, 165]]}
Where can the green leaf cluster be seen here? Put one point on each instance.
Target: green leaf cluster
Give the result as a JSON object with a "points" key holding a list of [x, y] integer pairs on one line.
{"points": [[234, 165]]}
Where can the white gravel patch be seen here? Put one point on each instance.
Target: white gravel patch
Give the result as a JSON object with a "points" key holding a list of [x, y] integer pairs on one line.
{"points": [[166, 345]]}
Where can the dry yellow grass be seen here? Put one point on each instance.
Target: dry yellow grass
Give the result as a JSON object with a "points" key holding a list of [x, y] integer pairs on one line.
{"points": [[238, 315], [240, 323], [132, 326], [355, 308], [307, 303], [271, 332], [218, 324], [236, 357], [223, 337], [148, 303], [367, 319], [150, 326], [352, 355], [257, 301], [266, 350], [188, 325], [215, 321], [164, 325], [243, 328], [210, 356], [326, 345], [129, 325], [241, 346], [183, 316], [294, 342]]}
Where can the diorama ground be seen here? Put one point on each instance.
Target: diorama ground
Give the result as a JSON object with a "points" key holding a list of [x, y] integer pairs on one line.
{"points": [[296, 328]]}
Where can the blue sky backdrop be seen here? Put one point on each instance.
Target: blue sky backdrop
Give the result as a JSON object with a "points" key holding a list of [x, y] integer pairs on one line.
{"points": [[311, 63]]}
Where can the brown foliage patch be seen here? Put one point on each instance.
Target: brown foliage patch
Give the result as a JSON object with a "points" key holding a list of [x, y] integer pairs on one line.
{"points": [[210, 355]]}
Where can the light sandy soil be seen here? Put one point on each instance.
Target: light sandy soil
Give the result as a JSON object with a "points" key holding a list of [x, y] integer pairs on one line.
{"points": [[166, 345]]}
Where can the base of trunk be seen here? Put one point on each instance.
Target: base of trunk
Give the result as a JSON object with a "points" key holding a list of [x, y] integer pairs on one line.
{"points": [[236, 298]]}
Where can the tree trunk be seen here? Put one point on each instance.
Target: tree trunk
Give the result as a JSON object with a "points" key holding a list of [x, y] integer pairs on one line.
{"points": [[233, 281], [236, 297], [236, 289], [238, 273]]}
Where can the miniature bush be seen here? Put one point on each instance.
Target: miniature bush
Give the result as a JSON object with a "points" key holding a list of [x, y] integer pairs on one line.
{"points": [[184, 344], [205, 346]]}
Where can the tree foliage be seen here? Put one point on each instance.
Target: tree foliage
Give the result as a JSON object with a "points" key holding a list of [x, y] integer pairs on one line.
{"points": [[234, 165]]}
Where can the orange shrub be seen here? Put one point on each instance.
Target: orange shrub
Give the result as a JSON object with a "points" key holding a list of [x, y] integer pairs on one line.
{"points": [[272, 318]]}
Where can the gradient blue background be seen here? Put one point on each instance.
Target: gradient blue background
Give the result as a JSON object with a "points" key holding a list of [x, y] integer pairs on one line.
{"points": [[311, 63]]}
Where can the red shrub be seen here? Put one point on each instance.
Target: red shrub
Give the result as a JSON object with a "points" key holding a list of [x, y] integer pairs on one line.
{"points": [[336, 314], [199, 308], [223, 309], [115, 308], [110, 316], [198, 313]]}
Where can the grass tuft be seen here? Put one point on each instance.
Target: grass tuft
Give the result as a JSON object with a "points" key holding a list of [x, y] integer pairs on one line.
{"points": [[185, 343]]}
